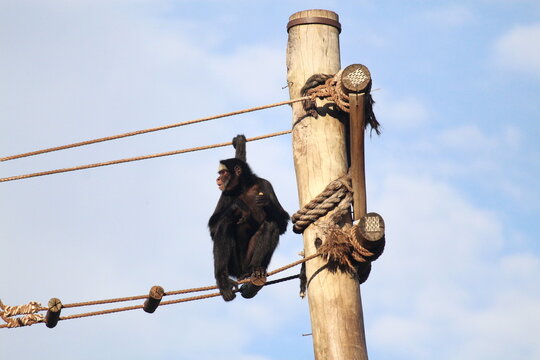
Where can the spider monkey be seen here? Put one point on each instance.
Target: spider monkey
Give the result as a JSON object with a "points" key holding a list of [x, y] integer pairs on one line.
{"points": [[245, 228]]}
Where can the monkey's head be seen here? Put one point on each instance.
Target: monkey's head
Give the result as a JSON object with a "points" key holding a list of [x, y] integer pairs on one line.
{"points": [[233, 173]]}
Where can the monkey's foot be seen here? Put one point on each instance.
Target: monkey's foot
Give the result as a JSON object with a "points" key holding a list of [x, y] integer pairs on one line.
{"points": [[248, 290], [227, 290], [258, 278]]}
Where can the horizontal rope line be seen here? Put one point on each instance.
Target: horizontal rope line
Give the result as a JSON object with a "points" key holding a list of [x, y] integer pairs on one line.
{"points": [[169, 302], [114, 162], [139, 132]]}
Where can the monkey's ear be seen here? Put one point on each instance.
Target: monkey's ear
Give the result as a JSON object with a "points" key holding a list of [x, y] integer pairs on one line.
{"points": [[237, 170]]}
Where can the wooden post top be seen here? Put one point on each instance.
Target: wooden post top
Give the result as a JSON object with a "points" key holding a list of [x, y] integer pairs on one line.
{"points": [[324, 17]]}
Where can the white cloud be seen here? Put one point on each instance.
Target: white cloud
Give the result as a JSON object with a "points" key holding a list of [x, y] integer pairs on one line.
{"points": [[468, 137], [440, 262], [519, 49]]}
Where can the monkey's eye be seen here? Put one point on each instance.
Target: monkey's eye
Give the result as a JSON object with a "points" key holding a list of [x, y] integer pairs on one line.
{"points": [[223, 172]]}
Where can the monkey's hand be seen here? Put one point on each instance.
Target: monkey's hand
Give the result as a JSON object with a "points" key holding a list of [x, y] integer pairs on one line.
{"points": [[261, 199], [242, 220]]}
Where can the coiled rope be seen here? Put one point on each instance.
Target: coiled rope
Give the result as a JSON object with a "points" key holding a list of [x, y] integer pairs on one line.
{"points": [[336, 194]]}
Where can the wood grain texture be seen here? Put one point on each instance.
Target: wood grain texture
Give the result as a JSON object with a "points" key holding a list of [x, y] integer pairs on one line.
{"points": [[320, 157]]}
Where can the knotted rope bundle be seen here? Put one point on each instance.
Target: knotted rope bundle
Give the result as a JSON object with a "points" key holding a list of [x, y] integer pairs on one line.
{"points": [[30, 310], [330, 87], [343, 247], [325, 86]]}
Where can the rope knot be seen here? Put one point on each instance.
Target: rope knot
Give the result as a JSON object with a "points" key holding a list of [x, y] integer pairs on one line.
{"points": [[30, 311], [324, 86]]}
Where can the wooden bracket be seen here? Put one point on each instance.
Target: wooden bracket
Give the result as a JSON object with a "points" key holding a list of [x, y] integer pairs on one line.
{"points": [[355, 79], [154, 298], [53, 313]]}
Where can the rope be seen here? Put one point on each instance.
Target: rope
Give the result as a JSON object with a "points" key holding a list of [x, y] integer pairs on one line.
{"points": [[36, 307], [30, 311], [325, 86], [330, 87], [170, 302], [342, 247], [114, 162], [336, 193], [139, 132]]}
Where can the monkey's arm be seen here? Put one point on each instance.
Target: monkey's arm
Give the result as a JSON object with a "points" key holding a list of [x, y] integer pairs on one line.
{"points": [[223, 208], [270, 202]]}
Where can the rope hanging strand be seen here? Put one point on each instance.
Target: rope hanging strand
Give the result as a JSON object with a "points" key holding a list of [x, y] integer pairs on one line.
{"points": [[145, 131], [145, 157]]}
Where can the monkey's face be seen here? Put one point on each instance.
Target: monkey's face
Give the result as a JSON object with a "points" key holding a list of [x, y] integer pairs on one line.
{"points": [[227, 180], [223, 179]]}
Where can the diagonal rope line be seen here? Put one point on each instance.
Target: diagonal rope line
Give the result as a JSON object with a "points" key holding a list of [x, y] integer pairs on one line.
{"points": [[114, 162], [145, 131]]}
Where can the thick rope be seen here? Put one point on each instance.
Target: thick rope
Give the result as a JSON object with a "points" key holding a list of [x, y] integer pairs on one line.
{"points": [[30, 311], [145, 157], [342, 247], [36, 307], [139, 132], [332, 196]]}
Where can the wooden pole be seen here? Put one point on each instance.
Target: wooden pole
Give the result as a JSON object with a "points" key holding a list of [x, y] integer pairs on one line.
{"points": [[320, 157]]}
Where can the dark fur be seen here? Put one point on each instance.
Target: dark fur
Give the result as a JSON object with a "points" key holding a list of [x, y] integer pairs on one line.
{"points": [[245, 228]]}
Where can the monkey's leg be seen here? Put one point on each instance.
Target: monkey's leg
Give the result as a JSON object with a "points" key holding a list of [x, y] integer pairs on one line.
{"points": [[223, 250], [261, 248]]}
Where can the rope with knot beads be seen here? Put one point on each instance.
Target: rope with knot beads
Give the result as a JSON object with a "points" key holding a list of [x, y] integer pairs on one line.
{"points": [[33, 307]]}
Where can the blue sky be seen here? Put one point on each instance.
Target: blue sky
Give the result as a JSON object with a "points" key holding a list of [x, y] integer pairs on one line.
{"points": [[454, 173]]}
